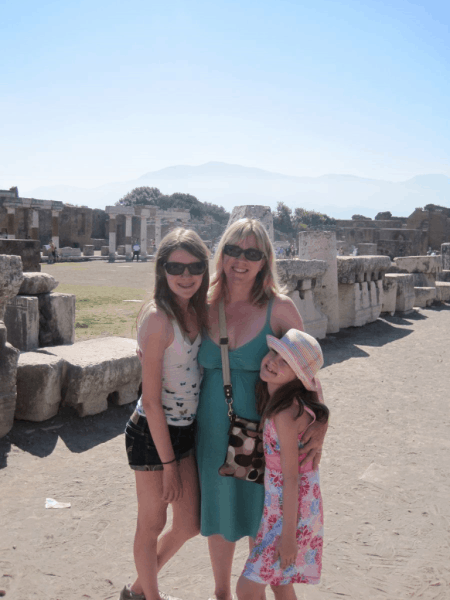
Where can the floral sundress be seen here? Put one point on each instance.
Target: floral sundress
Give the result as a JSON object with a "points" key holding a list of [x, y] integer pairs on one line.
{"points": [[260, 566]]}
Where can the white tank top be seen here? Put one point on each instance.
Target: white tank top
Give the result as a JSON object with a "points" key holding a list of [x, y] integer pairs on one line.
{"points": [[181, 376]]}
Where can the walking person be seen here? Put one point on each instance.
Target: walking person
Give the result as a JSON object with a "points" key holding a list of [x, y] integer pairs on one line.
{"points": [[160, 433], [245, 279], [288, 546], [136, 252]]}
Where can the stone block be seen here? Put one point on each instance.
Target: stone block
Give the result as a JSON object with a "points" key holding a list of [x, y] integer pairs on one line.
{"points": [[424, 296], [443, 291], [419, 264], [443, 276], [360, 303], [99, 370], [8, 376], [39, 384], [11, 277], [22, 322], [121, 250], [104, 251], [88, 250], [299, 278], [389, 294], [28, 250], [405, 292], [67, 252], [37, 283], [445, 254], [56, 319], [366, 249], [357, 269]]}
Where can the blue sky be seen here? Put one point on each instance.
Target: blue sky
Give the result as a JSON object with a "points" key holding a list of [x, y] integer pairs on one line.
{"points": [[94, 92]]}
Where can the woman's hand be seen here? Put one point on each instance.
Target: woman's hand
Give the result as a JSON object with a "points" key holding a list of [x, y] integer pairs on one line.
{"points": [[172, 486], [312, 443], [287, 550]]}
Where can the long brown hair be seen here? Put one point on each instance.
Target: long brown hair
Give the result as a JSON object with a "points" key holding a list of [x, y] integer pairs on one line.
{"points": [[266, 282], [163, 297], [268, 406]]}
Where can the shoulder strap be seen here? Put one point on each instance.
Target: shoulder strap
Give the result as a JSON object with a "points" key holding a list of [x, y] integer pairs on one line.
{"points": [[223, 341]]}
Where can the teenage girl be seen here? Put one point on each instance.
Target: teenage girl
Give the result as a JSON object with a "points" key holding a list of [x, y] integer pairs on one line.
{"points": [[160, 433], [288, 546]]}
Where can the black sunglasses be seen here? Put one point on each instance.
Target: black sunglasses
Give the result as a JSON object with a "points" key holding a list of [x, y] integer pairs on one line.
{"points": [[178, 268], [252, 254]]}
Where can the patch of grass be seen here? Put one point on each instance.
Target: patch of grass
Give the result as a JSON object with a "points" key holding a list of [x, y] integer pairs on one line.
{"points": [[101, 311]]}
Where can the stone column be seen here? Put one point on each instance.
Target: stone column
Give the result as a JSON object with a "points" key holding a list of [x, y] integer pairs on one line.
{"points": [[55, 227], [321, 245], [34, 229], [112, 238], [144, 215], [157, 231], [445, 253], [11, 223], [11, 277], [128, 228]]}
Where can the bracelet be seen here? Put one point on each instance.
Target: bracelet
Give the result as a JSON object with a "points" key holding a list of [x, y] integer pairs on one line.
{"points": [[168, 462]]}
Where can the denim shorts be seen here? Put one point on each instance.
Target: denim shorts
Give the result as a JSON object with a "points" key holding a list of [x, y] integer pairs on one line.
{"points": [[141, 450]]}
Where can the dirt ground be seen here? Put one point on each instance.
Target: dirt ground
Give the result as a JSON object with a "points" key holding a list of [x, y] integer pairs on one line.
{"points": [[385, 481]]}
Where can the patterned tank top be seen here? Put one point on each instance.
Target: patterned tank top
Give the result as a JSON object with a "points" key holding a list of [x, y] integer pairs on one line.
{"points": [[181, 376]]}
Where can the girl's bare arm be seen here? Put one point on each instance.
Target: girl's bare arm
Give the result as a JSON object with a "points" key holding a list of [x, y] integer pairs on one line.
{"points": [[288, 428]]}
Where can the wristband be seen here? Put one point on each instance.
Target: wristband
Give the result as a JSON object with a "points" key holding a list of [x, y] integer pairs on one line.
{"points": [[168, 462]]}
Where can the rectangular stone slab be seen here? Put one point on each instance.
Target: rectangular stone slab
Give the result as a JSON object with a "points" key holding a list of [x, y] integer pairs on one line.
{"points": [[97, 370]]}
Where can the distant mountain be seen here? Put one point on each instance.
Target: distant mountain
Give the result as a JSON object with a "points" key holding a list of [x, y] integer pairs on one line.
{"points": [[339, 196]]}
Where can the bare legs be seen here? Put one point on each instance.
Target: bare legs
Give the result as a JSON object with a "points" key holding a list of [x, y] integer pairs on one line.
{"points": [[152, 552], [221, 553], [250, 590]]}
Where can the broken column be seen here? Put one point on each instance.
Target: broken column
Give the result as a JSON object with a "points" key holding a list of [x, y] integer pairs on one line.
{"points": [[321, 245]]}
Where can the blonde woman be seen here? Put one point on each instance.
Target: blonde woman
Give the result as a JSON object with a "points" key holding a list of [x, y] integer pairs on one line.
{"points": [[245, 278], [160, 435]]}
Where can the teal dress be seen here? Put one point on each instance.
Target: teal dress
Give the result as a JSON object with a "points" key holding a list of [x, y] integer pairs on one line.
{"points": [[230, 507]]}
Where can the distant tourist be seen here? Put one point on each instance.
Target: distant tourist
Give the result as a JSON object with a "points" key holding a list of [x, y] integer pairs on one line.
{"points": [[136, 252]]}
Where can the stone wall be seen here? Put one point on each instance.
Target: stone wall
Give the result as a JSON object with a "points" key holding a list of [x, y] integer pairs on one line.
{"points": [[28, 250]]}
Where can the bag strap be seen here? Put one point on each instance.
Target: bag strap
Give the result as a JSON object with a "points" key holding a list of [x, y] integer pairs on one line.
{"points": [[223, 341]]}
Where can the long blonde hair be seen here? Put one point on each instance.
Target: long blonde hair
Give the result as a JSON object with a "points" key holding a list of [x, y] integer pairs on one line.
{"points": [[163, 297], [266, 283]]}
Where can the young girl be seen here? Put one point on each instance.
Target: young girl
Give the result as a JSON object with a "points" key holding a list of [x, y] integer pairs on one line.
{"points": [[288, 546], [160, 433]]}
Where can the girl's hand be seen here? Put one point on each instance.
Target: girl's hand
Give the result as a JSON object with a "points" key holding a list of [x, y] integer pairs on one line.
{"points": [[287, 550], [313, 441], [172, 486]]}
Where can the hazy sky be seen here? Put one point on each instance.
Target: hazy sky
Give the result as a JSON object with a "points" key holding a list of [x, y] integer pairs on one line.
{"points": [[94, 91]]}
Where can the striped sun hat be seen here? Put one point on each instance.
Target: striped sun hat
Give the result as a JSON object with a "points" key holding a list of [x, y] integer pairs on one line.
{"points": [[303, 354]]}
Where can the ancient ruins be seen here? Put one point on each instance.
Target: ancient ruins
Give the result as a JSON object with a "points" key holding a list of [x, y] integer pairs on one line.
{"points": [[42, 368]]}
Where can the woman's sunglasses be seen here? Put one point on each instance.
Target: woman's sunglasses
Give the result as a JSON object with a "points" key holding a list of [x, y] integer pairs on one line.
{"points": [[177, 268], [252, 254]]}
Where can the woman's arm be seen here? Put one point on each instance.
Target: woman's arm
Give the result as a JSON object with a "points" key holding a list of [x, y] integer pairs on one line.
{"points": [[313, 442], [288, 428], [284, 316], [158, 335]]}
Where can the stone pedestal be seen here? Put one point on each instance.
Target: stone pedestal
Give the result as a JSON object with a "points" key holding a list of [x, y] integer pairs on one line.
{"points": [[39, 384], [405, 291], [8, 376], [321, 245], [426, 269], [389, 294], [443, 291], [300, 278], [22, 322], [56, 319], [88, 250], [104, 251], [424, 296]]}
